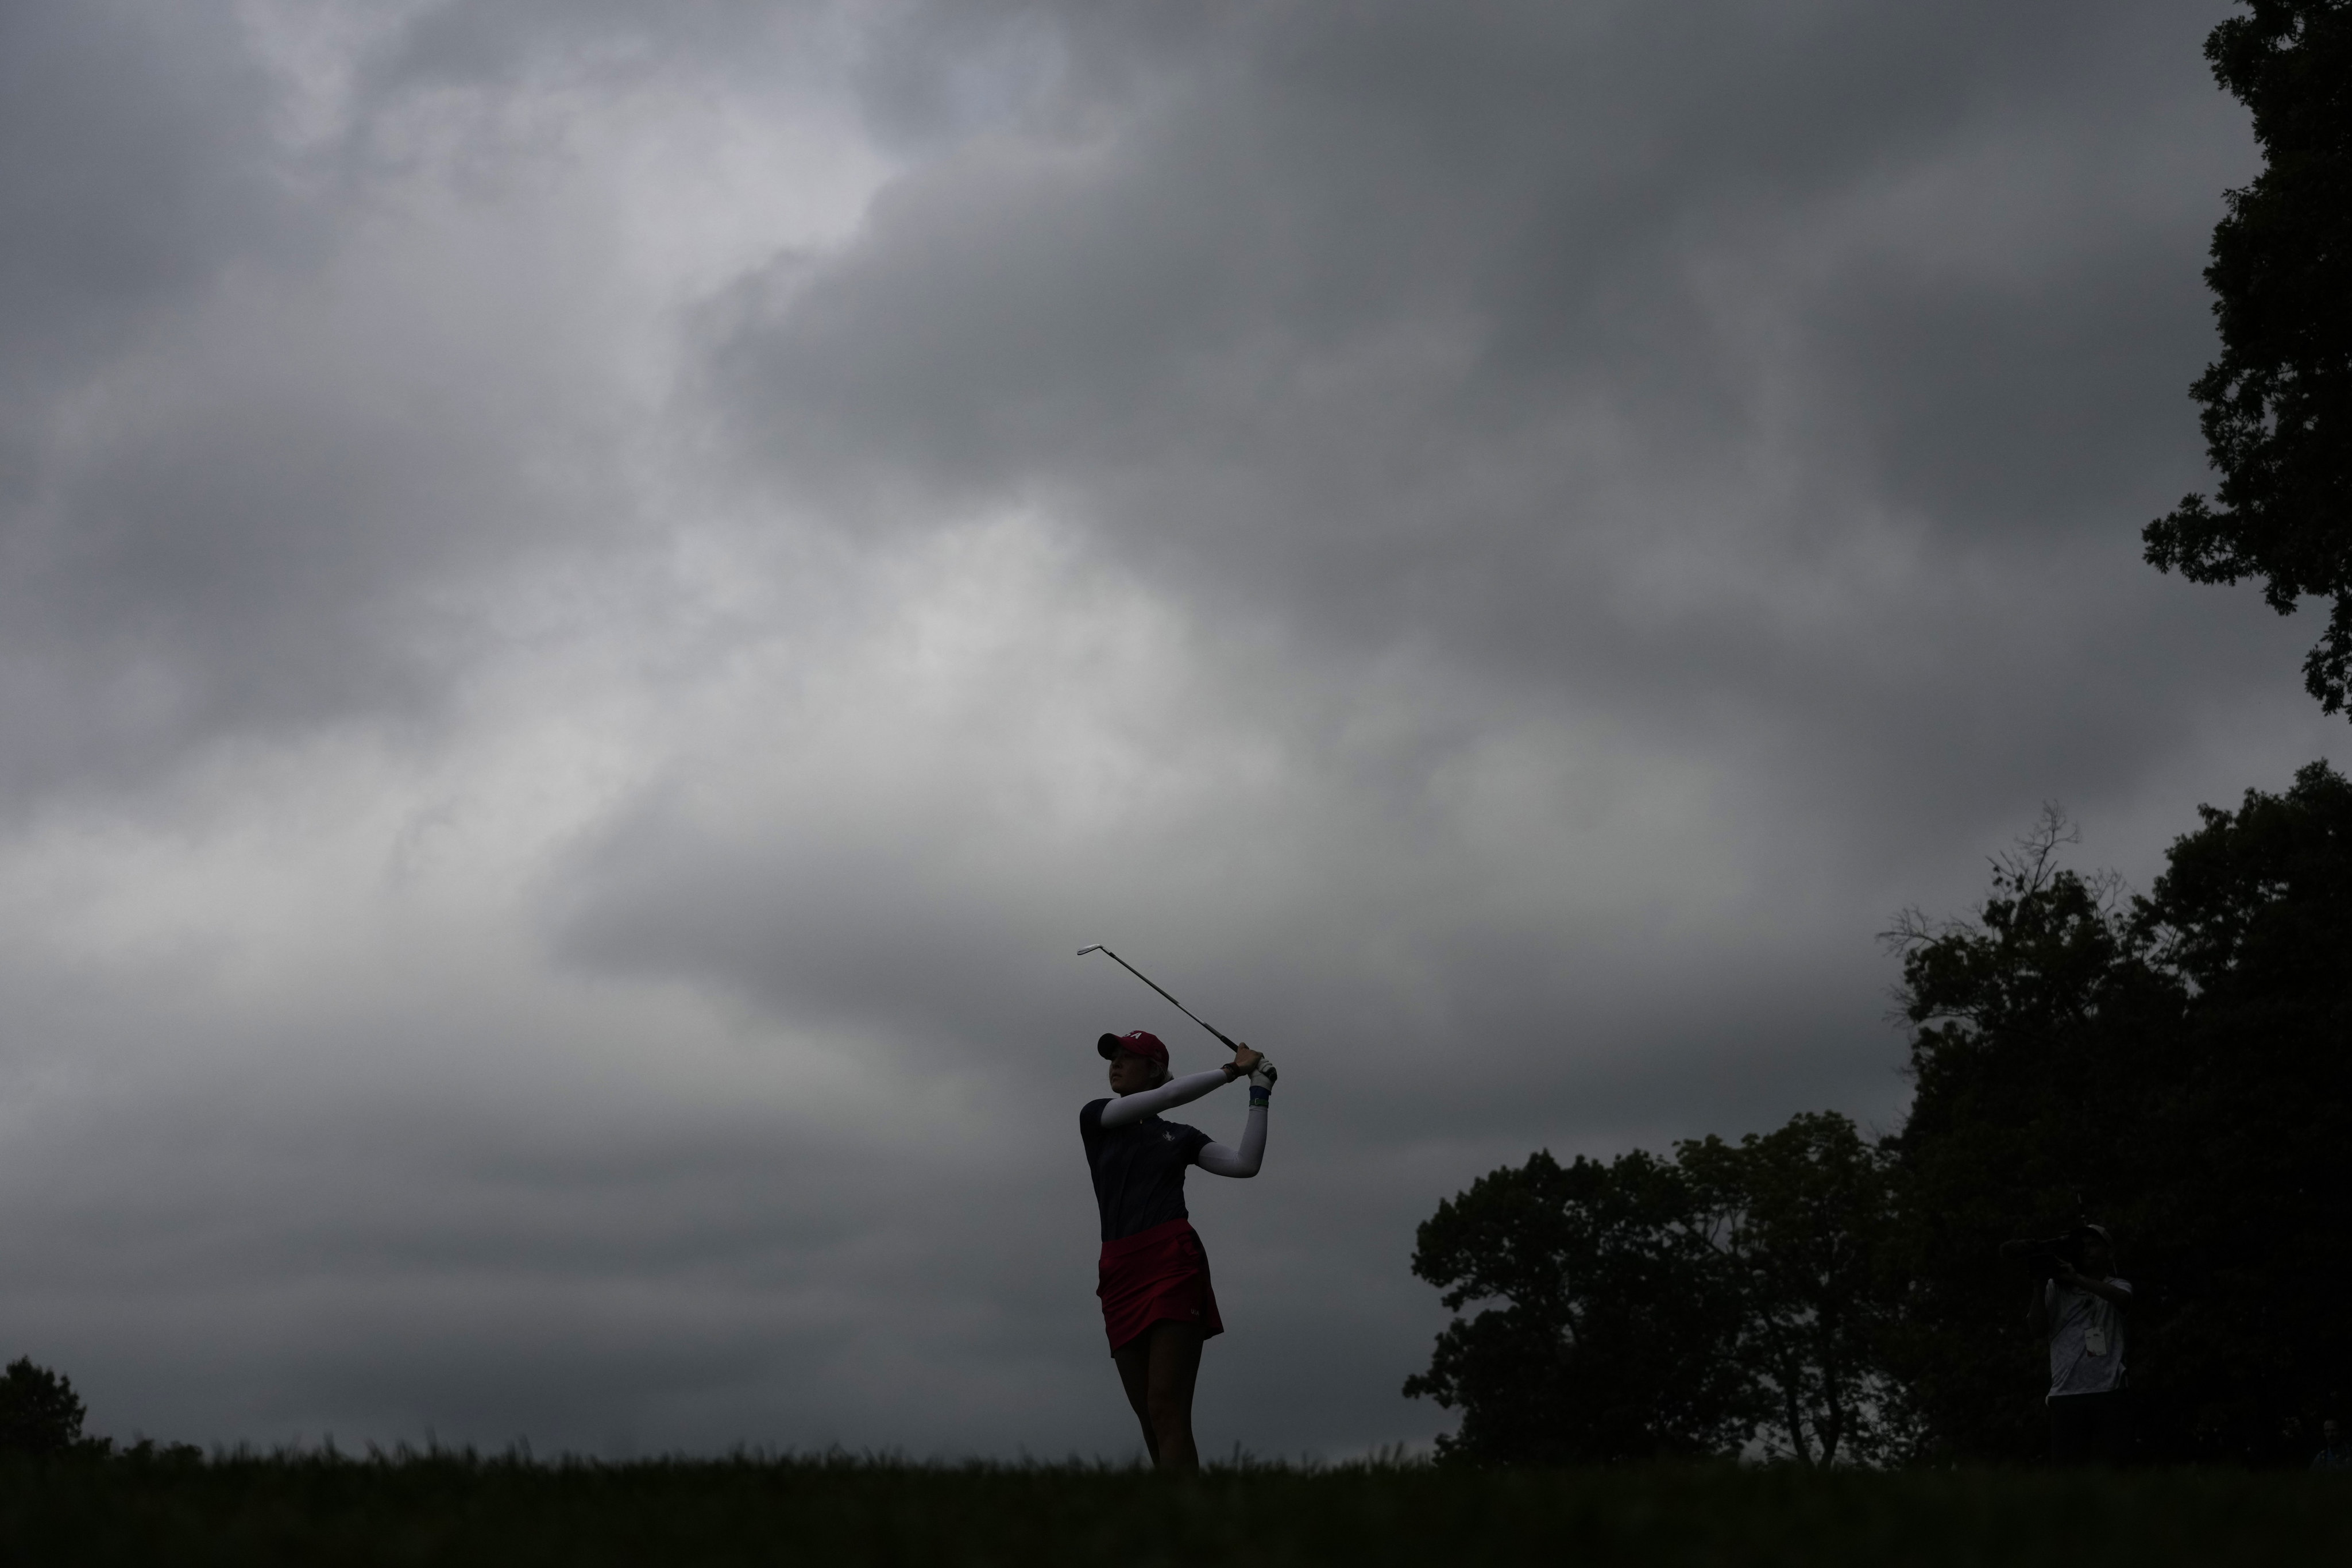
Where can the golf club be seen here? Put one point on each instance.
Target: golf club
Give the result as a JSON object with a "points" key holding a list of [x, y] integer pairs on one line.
{"points": [[1148, 980]]}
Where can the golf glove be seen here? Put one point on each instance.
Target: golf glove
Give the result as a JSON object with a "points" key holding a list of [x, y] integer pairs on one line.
{"points": [[1261, 1079]]}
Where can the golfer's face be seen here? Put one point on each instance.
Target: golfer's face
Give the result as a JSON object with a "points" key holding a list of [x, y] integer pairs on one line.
{"points": [[1131, 1073], [2098, 1258]]}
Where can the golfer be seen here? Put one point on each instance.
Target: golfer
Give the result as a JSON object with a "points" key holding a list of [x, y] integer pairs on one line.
{"points": [[1156, 1301]]}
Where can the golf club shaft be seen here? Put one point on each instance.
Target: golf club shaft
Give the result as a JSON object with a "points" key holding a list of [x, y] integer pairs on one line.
{"points": [[1178, 1005]]}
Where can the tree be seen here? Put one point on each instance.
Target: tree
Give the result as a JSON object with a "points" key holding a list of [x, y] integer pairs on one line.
{"points": [[2277, 404], [39, 1412], [2031, 1029], [2176, 1065], [1672, 1307], [1799, 1219], [1613, 1336], [2245, 1151]]}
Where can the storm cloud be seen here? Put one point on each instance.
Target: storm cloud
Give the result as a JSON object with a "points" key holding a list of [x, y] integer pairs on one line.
{"points": [[597, 598]]}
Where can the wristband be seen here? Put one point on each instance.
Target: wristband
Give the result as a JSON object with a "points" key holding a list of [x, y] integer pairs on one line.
{"points": [[1259, 1097]]}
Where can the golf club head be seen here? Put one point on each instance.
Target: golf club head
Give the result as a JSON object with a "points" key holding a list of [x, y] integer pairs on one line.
{"points": [[1084, 951]]}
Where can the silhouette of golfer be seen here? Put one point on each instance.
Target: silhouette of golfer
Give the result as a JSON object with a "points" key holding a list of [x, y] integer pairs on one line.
{"points": [[1158, 1307]]}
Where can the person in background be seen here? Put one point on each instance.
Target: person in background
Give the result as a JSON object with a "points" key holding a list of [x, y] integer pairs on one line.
{"points": [[2082, 1309], [2338, 1454]]}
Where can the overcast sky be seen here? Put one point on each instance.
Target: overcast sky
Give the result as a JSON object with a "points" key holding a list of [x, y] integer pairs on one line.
{"points": [[596, 599]]}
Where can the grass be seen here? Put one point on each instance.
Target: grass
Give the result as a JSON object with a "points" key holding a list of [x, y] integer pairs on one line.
{"points": [[461, 1508]]}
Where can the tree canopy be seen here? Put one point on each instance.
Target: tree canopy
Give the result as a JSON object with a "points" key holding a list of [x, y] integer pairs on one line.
{"points": [[1799, 1221], [39, 1411], [2177, 1065], [1607, 1343], [2277, 404], [1650, 1306]]}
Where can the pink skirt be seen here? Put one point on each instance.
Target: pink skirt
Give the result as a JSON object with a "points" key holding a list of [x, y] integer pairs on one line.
{"points": [[1156, 1274]]}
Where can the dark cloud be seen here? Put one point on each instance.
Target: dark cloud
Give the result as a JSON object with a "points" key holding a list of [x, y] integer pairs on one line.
{"points": [[282, 409], [134, 165], [1664, 361], [159, 521], [1788, 385]]}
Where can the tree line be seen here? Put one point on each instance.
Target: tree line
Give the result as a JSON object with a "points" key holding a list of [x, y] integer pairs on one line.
{"points": [[2177, 1064]]}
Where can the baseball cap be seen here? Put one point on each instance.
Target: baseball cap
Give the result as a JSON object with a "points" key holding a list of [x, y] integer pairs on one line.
{"points": [[1140, 1043]]}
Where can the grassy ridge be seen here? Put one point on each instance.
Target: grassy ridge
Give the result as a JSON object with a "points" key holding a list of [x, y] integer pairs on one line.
{"points": [[461, 1509]]}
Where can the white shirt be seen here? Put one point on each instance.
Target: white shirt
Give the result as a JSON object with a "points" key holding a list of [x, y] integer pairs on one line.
{"points": [[2086, 1339]]}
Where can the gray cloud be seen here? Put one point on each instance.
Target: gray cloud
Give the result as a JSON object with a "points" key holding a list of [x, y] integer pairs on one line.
{"points": [[297, 417], [1786, 388], [135, 168], [1663, 364]]}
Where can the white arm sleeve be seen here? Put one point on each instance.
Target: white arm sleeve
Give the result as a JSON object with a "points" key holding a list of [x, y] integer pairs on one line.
{"points": [[1176, 1091], [1220, 1161]]}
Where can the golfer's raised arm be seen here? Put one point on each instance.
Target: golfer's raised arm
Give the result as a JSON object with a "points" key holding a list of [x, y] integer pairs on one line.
{"points": [[1219, 1160], [1176, 1091]]}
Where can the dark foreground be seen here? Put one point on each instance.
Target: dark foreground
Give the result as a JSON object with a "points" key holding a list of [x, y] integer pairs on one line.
{"points": [[460, 1509]]}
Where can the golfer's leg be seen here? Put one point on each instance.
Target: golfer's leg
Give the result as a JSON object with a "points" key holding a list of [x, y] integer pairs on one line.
{"points": [[2115, 1440], [2066, 1433], [1134, 1362], [1175, 1367]]}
